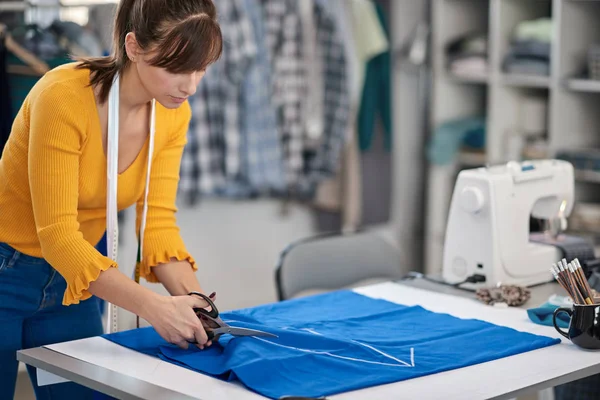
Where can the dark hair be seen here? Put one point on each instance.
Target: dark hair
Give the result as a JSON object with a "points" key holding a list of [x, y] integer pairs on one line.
{"points": [[184, 33]]}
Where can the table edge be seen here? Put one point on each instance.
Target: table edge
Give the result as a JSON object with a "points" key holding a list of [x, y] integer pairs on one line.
{"points": [[550, 383], [120, 386]]}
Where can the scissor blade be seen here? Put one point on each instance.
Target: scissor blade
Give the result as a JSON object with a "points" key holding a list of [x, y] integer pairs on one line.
{"points": [[242, 332]]}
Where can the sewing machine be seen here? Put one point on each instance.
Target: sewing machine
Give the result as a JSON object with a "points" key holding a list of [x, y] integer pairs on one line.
{"points": [[488, 231]]}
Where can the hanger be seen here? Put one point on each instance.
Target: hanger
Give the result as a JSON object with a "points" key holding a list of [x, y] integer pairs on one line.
{"points": [[35, 66]]}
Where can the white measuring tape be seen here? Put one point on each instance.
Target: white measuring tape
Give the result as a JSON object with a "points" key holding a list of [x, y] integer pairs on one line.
{"points": [[112, 175]]}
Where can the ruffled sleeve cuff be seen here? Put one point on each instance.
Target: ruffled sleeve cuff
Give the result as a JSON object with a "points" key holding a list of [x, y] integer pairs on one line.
{"points": [[162, 257], [78, 285]]}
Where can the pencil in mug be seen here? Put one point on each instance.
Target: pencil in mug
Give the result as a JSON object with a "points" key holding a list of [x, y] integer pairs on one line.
{"points": [[574, 286], [565, 282], [579, 269], [580, 284], [575, 282], [580, 281], [571, 285], [560, 278]]}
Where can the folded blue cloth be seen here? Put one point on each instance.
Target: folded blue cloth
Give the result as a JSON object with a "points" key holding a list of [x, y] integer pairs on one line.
{"points": [[450, 136], [526, 66], [543, 315], [531, 49], [339, 342]]}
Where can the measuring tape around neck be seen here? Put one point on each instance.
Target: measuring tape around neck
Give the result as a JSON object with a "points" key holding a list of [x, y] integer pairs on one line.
{"points": [[112, 175]]}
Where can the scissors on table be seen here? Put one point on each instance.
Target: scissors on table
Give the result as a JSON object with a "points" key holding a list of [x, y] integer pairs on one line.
{"points": [[218, 326]]}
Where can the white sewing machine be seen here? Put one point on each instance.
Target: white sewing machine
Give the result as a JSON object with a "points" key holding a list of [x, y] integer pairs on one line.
{"points": [[488, 229]]}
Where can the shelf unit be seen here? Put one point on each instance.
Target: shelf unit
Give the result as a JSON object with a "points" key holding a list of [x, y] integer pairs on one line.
{"points": [[572, 118], [582, 85]]}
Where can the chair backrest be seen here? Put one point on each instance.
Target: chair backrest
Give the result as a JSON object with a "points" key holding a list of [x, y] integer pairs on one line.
{"points": [[330, 262]]}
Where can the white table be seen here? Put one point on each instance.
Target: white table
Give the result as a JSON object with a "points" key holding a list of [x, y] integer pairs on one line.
{"points": [[125, 374]]}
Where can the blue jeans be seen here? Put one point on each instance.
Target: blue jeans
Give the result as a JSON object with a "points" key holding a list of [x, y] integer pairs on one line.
{"points": [[32, 315]]}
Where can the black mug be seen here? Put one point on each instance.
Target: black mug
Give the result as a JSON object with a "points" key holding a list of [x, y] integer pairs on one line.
{"points": [[584, 328]]}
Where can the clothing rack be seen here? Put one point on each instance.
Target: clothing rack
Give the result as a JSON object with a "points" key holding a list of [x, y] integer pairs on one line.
{"points": [[15, 6], [35, 66], [12, 6]]}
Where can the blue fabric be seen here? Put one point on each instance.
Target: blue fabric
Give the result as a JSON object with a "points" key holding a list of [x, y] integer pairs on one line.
{"points": [[450, 136], [32, 315], [543, 315], [337, 342]]}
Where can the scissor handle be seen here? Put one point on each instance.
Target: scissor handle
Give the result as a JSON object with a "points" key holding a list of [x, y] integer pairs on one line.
{"points": [[210, 334], [213, 313]]}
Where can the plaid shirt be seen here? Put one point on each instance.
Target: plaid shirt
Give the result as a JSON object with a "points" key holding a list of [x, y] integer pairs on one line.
{"points": [[262, 156], [284, 40], [237, 95], [212, 156], [323, 163], [197, 137]]}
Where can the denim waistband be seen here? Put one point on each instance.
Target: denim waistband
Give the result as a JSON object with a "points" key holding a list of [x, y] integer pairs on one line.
{"points": [[9, 252]]}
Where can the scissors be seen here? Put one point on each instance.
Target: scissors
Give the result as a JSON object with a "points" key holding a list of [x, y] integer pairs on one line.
{"points": [[218, 326]]}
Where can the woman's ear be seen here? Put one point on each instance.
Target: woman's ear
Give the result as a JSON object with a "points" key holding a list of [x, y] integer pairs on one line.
{"points": [[132, 48]]}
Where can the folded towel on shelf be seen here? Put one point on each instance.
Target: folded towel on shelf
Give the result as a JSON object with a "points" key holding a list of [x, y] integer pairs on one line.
{"points": [[582, 159], [450, 136], [531, 49], [538, 29], [467, 55], [526, 66], [470, 44], [469, 66]]}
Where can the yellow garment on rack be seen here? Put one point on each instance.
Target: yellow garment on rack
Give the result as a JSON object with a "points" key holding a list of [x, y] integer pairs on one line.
{"points": [[53, 182]]}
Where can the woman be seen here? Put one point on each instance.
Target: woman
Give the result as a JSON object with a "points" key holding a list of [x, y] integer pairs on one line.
{"points": [[53, 187]]}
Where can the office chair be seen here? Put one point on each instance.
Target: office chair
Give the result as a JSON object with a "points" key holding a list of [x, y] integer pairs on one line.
{"points": [[334, 261]]}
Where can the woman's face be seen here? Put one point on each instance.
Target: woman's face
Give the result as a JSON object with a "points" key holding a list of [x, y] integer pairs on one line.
{"points": [[170, 90]]}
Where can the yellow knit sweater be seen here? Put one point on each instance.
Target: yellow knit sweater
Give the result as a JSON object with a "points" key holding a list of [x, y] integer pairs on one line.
{"points": [[53, 183]]}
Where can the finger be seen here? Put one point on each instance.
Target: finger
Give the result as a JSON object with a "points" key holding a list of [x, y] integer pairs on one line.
{"points": [[200, 334], [198, 302], [207, 344], [183, 344]]}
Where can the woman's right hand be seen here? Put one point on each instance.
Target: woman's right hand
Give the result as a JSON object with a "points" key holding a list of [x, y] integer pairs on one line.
{"points": [[174, 319]]}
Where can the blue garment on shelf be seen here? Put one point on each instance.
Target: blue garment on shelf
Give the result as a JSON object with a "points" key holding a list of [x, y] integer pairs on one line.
{"points": [[337, 342], [543, 315], [450, 136]]}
